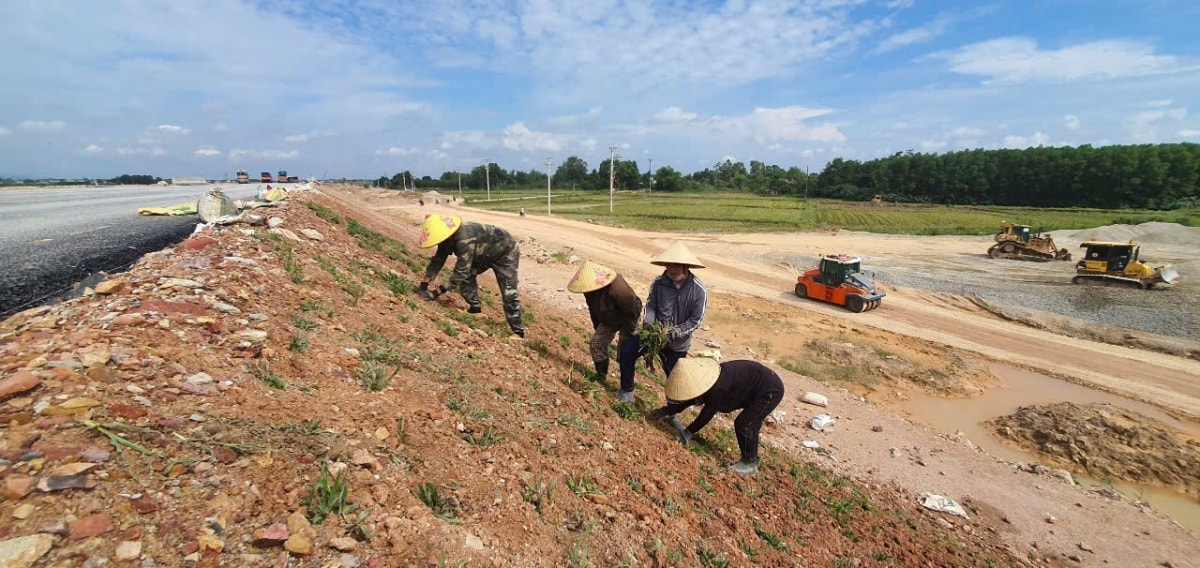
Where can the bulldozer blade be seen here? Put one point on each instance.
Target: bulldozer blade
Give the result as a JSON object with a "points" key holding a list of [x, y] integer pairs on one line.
{"points": [[1168, 274]]}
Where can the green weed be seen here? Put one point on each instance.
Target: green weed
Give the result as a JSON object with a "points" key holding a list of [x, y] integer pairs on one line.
{"points": [[374, 375], [443, 507], [328, 496], [710, 558], [486, 438], [298, 344], [582, 484], [302, 323], [262, 371], [538, 493]]}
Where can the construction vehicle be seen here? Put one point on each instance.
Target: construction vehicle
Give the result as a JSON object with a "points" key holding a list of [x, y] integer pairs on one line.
{"points": [[1021, 242], [265, 177], [839, 279], [282, 177], [1117, 265], [243, 177]]}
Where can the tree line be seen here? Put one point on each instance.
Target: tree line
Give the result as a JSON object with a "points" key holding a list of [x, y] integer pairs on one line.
{"points": [[1144, 176]]}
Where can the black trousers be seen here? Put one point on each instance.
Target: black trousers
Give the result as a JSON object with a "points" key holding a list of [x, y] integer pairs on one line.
{"points": [[750, 420]]}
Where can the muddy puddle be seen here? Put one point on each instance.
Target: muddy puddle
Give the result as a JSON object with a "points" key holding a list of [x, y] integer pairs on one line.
{"points": [[1025, 388]]}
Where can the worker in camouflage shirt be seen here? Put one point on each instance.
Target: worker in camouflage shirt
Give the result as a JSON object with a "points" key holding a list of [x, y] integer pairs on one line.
{"points": [[478, 247]]}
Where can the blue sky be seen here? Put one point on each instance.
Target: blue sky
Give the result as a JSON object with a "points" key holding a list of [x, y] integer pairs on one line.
{"points": [[343, 88]]}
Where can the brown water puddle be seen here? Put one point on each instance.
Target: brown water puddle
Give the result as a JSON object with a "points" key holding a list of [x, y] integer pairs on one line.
{"points": [[1025, 388]]}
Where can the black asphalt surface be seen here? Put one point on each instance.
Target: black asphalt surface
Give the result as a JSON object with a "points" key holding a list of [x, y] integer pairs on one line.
{"points": [[45, 271], [54, 239]]}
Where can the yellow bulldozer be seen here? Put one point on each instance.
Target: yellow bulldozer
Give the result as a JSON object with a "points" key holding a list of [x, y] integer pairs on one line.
{"points": [[1021, 242], [1117, 265]]}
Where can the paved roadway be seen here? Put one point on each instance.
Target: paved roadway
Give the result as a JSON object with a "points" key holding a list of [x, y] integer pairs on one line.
{"points": [[52, 239]]}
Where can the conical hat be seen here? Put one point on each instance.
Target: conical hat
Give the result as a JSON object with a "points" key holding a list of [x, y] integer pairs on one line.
{"points": [[590, 277], [692, 377], [438, 228], [677, 254]]}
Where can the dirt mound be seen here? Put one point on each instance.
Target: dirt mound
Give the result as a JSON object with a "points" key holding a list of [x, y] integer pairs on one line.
{"points": [[1106, 442], [280, 397], [1152, 233]]}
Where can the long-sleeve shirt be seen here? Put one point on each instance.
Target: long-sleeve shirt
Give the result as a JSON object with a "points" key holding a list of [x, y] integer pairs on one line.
{"points": [[616, 305], [477, 247], [739, 383], [682, 307]]}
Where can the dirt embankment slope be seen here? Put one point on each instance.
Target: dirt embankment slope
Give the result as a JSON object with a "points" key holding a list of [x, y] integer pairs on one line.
{"points": [[187, 412]]}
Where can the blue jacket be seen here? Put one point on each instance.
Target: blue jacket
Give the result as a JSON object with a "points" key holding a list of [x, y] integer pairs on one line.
{"points": [[682, 307]]}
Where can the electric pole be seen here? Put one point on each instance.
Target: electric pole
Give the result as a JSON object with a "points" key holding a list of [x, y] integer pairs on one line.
{"points": [[487, 171], [459, 183], [612, 157], [548, 162], [651, 169]]}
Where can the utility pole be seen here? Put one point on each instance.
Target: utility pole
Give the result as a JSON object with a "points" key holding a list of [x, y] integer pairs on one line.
{"points": [[459, 183], [651, 168], [548, 162], [806, 184], [612, 157], [487, 171]]}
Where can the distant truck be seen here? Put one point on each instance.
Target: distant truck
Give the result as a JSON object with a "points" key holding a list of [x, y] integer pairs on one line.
{"points": [[282, 177], [243, 177], [266, 177]]}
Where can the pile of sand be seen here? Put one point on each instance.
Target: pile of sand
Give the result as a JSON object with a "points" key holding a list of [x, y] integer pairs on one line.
{"points": [[1152, 233]]}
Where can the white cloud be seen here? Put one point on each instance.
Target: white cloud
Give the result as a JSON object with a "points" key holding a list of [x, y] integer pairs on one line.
{"points": [[172, 129], [1189, 133], [900, 4], [394, 151], [520, 138], [238, 154], [1159, 103], [1038, 139], [143, 151], [672, 115], [93, 149], [309, 136], [932, 145], [787, 123], [966, 132], [1145, 125], [913, 36], [207, 152], [1018, 59], [43, 125], [1071, 121], [4, 131]]}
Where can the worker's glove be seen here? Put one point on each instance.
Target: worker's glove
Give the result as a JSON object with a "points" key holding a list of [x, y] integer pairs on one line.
{"points": [[685, 437], [656, 414], [474, 310]]}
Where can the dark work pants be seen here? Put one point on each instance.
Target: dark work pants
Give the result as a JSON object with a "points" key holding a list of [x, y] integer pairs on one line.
{"points": [[750, 420], [506, 278], [630, 350]]}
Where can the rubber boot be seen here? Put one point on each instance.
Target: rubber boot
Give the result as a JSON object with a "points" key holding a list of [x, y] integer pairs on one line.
{"points": [[745, 468], [601, 371]]}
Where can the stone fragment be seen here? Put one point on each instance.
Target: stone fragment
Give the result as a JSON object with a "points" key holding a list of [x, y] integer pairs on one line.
{"points": [[312, 234], [298, 544], [109, 287], [24, 551], [17, 485], [270, 536], [89, 526], [343, 543], [128, 550], [18, 382]]}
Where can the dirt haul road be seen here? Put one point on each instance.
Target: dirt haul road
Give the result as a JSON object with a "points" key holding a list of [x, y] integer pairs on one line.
{"points": [[765, 266]]}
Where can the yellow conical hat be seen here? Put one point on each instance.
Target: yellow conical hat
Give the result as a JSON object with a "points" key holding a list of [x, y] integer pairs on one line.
{"points": [[677, 254], [692, 377], [590, 277], [438, 228]]}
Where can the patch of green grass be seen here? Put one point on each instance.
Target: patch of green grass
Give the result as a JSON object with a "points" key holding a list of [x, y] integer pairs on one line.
{"points": [[328, 496], [633, 482], [262, 371], [324, 212], [560, 257], [302, 323], [710, 558], [485, 438], [564, 341], [538, 492], [299, 344], [374, 375], [314, 306], [396, 284], [447, 328], [576, 421], [768, 537], [705, 485], [627, 410], [671, 507], [443, 507], [582, 484]]}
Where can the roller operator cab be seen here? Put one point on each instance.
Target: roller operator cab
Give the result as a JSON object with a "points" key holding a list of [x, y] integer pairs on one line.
{"points": [[1118, 265], [839, 279], [243, 177], [265, 177], [282, 177]]}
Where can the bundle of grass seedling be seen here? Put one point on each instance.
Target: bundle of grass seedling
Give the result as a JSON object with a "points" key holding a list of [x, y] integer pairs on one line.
{"points": [[653, 339]]}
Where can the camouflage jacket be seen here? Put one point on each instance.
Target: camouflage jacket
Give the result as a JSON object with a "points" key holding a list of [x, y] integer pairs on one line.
{"points": [[477, 247]]}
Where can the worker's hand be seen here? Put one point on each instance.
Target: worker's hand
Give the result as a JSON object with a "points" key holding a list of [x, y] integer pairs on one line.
{"points": [[656, 414], [647, 325], [685, 437]]}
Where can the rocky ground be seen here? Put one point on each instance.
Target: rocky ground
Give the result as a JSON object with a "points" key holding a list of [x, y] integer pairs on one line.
{"points": [[278, 396]]}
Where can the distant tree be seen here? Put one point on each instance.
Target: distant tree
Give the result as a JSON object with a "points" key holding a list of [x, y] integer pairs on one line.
{"points": [[127, 179], [669, 180], [572, 172]]}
